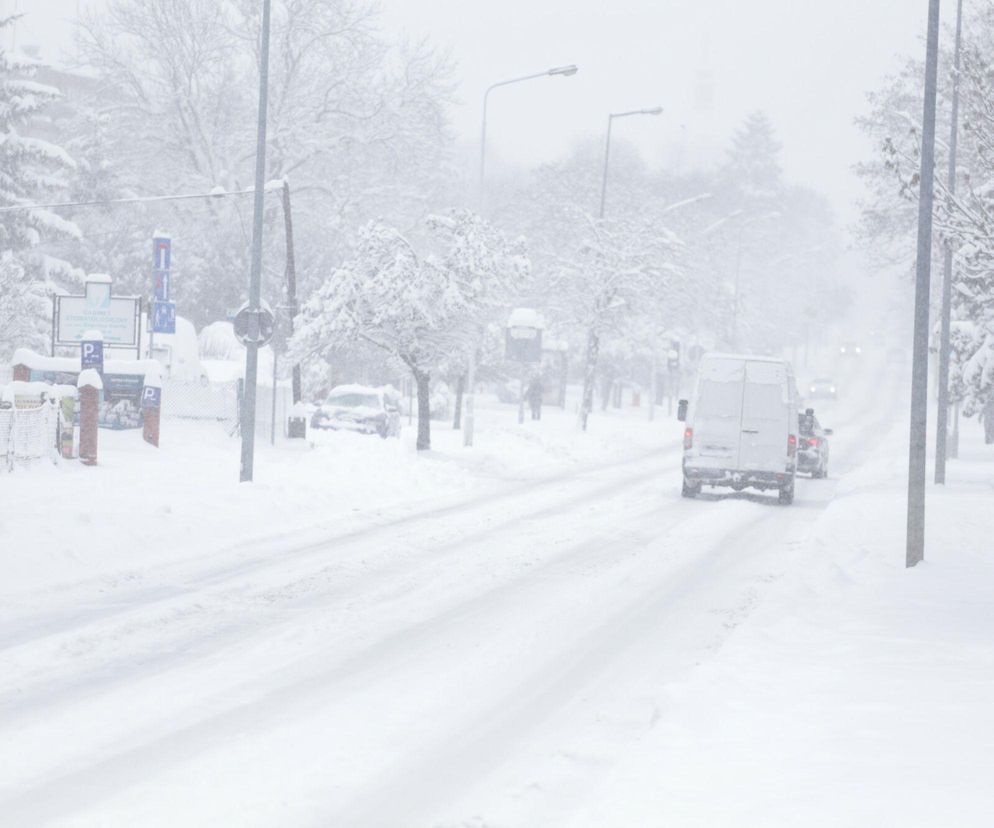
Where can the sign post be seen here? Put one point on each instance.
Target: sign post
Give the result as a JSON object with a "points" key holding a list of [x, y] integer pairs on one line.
{"points": [[151, 406], [523, 343], [116, 317], [162, 312]]}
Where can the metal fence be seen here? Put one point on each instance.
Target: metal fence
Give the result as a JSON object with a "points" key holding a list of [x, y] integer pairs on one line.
{"points": [[28, 434], [221, 402]]}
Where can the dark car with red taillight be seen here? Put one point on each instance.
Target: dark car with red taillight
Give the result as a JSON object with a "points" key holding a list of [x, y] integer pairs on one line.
{"points": [[812, 445]]}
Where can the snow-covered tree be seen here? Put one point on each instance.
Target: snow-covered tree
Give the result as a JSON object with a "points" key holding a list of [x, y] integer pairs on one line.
{"points": [[356, 124], [964, 220], [612, 278], [418, 308], [32, 171], [753, 165]]}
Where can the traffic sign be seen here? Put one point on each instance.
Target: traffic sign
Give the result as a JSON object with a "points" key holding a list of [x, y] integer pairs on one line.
{"points": [[254, 326], [151, 397], [91, 355], [523, 344], [164, 317], [161, 252], [161, 280]]}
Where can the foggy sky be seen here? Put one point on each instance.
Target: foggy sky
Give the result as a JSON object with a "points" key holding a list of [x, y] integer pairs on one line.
{"points": [[808, 63]]}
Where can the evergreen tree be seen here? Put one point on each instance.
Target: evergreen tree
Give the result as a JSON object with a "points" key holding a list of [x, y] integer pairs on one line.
{"points": [[32, 171]]}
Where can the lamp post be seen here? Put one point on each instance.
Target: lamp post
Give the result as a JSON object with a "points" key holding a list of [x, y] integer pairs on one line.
{"points": [[556, 71], [942, 414], [564, 71], [917, 451], [655, 110], [255, 278]]}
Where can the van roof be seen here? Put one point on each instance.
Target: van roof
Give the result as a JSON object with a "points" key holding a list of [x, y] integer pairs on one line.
{"points": [[750, 357]]}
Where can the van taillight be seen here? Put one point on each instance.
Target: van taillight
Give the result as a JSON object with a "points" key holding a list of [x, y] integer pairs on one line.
{"points": [[791, 445], [688, 438]]}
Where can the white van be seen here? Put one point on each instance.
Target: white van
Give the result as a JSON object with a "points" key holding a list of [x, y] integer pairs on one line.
{"points": [[741, 425]]}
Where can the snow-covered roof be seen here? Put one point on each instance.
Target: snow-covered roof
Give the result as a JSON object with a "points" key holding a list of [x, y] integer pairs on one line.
{"points": [[99, 278], [340, 390], [90, 378], [525, 318], [39, 362], [750, 357]]}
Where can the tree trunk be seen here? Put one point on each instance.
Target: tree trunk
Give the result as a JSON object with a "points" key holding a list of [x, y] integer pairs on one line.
{"points": [[589, 373], [460, 387], [423, 379]]}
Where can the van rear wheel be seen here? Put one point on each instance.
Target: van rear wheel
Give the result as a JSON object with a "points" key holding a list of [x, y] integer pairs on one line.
{"points": [[787, 494], [689, 490]]}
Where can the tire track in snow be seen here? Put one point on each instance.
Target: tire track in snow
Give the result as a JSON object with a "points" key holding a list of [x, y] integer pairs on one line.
{"points": [[203, 636], [273, 555], [309, 693]]}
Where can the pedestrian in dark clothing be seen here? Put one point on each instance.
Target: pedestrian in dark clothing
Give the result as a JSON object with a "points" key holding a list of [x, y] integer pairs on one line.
{"points": [[535, 397]]}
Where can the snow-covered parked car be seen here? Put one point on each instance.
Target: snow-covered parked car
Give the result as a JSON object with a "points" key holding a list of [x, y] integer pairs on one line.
{"points": [[361, 408]]}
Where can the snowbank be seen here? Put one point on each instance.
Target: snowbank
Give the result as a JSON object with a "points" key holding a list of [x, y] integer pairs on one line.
{"points": [[184, 499]]}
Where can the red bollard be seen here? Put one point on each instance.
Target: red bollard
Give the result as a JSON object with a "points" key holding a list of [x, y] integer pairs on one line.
{"points": [[151, 406], [90, 385]]}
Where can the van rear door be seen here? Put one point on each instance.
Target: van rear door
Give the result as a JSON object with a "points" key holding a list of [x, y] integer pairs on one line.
{"points": [[717, 413], [765, 416]]}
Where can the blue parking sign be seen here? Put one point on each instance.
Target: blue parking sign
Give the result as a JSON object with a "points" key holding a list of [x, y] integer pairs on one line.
{"points": [[151, 397], [164, 317], [91, 355]]}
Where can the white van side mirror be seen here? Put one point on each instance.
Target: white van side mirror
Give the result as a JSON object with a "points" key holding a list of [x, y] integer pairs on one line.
{"points": [[681, 411]]}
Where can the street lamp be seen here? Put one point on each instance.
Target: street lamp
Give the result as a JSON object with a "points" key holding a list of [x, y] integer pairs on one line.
{"points": [[564, 71], [942, 442], [655, 110]]}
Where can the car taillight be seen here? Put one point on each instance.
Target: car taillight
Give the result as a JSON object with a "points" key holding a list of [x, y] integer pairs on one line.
{"points": [[813, 441], [791, 445], [688, 438]]}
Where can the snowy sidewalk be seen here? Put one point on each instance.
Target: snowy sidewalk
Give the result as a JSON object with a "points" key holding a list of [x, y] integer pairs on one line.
{"points": [[858, 693]]}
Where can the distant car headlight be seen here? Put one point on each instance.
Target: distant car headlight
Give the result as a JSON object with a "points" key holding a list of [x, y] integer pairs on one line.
{"points": [[833, 389], [813, 389], [859, 350]]}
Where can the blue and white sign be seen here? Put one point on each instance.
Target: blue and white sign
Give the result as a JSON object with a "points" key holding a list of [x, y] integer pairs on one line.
{"points": [[91, 355], [151, 397], [161, 280], [162, 248], [164, 317]]}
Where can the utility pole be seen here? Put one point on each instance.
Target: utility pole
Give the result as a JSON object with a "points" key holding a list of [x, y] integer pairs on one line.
{"points": [[291, 280], [942, 415], [917, 450], [255, 279]]}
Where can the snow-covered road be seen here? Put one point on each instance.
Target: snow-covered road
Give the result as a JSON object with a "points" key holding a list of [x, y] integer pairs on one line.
{"points": [[485, 662]]}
